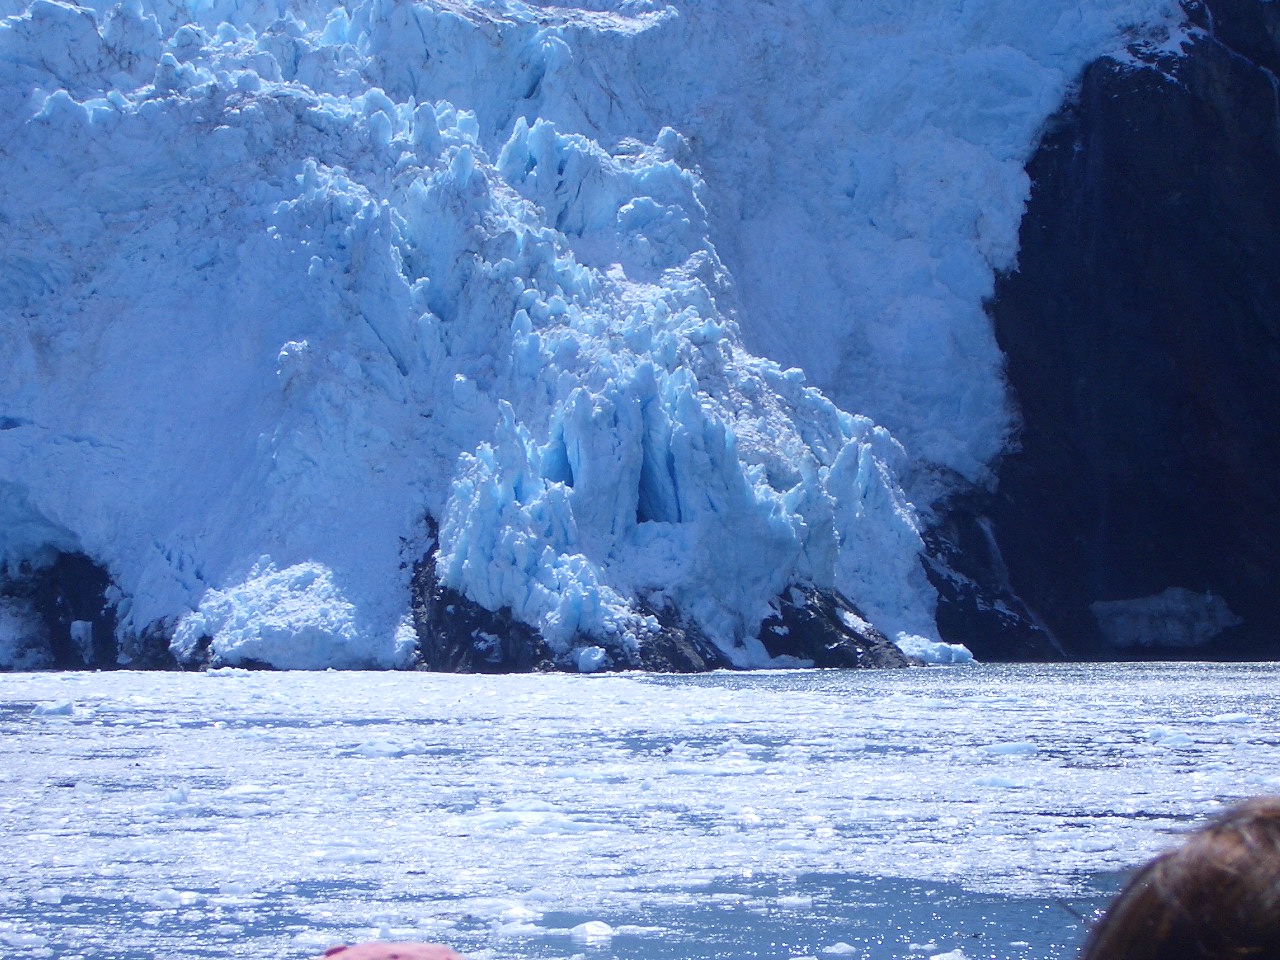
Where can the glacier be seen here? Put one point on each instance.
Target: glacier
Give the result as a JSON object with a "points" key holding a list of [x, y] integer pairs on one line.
{"points": [[645, 305]]}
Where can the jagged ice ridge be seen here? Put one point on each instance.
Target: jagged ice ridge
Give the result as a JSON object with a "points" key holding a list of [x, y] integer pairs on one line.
{"points": [[284, 279]]}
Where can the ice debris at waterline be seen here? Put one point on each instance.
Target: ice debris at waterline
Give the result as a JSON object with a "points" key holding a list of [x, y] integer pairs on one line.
{"points": [[285, 280]]}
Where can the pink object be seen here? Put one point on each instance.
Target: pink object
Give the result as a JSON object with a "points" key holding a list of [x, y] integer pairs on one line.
{"points": [[393, 951]]}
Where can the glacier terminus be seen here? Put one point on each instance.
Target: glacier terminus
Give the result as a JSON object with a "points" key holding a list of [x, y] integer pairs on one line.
{"points": [[605, 335]]}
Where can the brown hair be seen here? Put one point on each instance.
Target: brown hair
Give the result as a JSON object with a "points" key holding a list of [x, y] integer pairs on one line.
{"points": [[1217, 897]]}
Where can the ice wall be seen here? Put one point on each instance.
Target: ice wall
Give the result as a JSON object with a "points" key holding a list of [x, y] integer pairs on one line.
{"points": [[284, 278]]}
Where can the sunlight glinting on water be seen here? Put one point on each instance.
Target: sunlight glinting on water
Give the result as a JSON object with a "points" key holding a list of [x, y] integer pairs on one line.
{"points": [[811, 811]]}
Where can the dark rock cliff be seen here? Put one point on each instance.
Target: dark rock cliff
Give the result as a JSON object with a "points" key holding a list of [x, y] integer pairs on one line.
{"points": [[1141, 514]]}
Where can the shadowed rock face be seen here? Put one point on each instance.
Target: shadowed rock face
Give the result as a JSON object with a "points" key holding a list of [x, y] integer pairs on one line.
{"points": [[823, 627], [1142, 332], [69, 598], [457, 635]]}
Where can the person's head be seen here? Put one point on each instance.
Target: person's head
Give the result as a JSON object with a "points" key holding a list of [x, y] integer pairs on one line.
{"points": [[1216, 897], [392, 951]]}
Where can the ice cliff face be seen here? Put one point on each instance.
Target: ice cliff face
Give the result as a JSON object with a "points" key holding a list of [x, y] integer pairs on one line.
{"points": [[286, 283]]}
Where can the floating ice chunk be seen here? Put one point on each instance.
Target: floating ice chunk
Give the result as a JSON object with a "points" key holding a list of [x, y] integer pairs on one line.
{"points": [[933, 651], [591, 659], [1170, 739], [345, 852], [179, 796], [950, 955], [1232, 718], [519, 913], [519, 930], [173, 898], [1011, 749], [19, 940], [1176, 617], [81, 633], [592, 932], [58, 708], [380, 748], [795, 901], [1094, 844], [311, 942], [840, 949], [252, 791], [1001, 783]]}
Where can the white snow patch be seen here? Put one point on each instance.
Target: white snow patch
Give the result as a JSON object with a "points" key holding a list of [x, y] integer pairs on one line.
{"points": [[850, 620]]}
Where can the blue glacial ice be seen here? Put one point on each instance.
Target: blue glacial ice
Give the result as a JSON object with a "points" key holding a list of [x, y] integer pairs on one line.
{"points": [[644, 303]]}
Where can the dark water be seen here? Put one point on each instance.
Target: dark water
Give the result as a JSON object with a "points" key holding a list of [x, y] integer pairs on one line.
{"points": [[835, 916], [819, 916]]}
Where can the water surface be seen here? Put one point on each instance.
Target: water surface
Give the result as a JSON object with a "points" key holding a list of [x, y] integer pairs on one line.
{"points": [[810, 814]]}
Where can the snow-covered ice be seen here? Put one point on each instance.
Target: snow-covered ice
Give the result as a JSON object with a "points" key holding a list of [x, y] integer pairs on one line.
{"points": [[284, 278], [903, 813]]}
